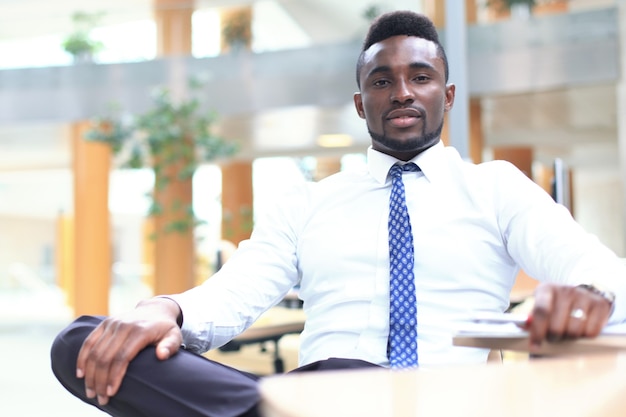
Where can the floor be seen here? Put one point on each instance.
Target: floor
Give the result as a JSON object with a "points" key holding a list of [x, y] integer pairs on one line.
{"points": [[28, 324], [29, 321]]}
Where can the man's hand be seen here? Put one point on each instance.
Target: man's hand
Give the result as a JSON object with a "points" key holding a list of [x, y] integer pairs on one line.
{"points": [[107, 351], [566, 312]]}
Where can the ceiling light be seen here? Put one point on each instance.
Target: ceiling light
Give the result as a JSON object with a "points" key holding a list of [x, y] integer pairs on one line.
{"points": [[335, 140]]}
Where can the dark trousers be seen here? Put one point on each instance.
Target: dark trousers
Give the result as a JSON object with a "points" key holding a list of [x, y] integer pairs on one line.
{"points": [[187, 384]]}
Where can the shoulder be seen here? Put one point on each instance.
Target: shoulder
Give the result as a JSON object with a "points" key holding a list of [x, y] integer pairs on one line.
{"points": [[498, 181], [495, 171]]}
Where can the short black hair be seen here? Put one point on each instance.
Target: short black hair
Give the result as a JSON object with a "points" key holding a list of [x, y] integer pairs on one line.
{"points": [[400, 22]]}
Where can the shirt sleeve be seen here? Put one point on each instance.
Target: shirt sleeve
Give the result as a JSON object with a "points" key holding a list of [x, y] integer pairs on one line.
{"points": [[546, 241], [256, 277]]}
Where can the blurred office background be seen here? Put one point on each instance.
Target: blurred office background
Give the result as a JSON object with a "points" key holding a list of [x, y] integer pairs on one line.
{"points": [[544, 88], [544, 83]]}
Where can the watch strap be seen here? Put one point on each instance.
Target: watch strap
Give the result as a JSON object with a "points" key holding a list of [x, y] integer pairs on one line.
{"points": [[606, 294]]}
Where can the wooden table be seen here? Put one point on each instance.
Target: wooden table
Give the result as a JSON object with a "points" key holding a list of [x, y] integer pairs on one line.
{"points": [[573, 386]]}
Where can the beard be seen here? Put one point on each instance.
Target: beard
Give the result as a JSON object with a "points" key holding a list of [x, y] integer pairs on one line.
{"points": [[425, 140]]}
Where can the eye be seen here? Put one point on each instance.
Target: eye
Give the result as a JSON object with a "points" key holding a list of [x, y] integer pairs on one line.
{"points": [[421, 78], [382, 82]]}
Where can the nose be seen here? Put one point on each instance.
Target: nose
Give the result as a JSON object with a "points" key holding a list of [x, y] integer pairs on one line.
{"points": [[402, 93]]}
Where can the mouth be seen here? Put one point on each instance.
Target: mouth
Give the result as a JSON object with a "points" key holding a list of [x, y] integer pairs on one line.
{"points": [[403, 118]]}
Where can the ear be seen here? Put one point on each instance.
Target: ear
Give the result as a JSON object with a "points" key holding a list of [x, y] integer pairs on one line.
{"points": [[450, 92], [358, 104]]}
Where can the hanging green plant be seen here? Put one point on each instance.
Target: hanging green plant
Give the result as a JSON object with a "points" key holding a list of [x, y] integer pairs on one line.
{"points": [[172, 138]]}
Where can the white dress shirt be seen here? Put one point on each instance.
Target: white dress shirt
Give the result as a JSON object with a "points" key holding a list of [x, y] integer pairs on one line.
{"points": [[474, 226]]}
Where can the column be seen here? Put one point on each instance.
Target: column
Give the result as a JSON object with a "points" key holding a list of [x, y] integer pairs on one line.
{"points": [[92, 235], [326, 166], [456, 50], [475, 130], [173, 251], [64, 256], [237, 201], [237, 192], [173, 22], [462, 127], [559, 6], [621, 109], [543, 175], [148, 252], [436, 11], [520, 156]]}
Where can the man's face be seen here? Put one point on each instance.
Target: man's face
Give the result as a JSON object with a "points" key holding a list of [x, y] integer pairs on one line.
{"points": [[403, 95]]}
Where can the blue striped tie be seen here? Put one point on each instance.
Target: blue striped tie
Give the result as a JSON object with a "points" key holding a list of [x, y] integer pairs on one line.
{"points": [[402, 304]]}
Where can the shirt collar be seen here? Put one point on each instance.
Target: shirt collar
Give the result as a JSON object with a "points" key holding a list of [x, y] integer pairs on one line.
{"points": [[430, 162]]}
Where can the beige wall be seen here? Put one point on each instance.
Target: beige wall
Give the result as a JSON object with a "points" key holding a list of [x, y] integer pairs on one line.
{"points": [[598, 206], [26, 252]]}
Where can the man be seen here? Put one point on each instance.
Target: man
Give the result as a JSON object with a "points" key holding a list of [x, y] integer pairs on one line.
{"points": [[470, 228]]}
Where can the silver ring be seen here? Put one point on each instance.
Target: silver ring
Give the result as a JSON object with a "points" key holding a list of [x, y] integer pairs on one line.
{"points": [[578, 313]]}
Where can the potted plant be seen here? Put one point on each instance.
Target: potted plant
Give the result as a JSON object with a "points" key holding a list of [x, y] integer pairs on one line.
{"points": [[236, 30], [79, 43], [514, 7], [371, 12], [172, 138], [507, 4]]}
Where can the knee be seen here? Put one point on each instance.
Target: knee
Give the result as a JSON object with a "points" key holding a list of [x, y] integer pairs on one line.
{"points": [[65, 348]]}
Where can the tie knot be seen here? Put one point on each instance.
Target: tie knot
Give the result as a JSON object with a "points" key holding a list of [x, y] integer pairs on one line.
{"points": [[396, 170]]}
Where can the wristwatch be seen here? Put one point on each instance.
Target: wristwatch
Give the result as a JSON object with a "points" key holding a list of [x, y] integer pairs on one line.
{"points": [[604, 293]]}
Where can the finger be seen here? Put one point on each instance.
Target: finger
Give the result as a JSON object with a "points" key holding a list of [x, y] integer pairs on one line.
{"points": [[577, 320], [113, 356], [598, 316], [84, 363], [85, 350], [560, 320], [97, 365], [92, 354], [169, 345], [542, 309], [118, 367], [128, 346]]}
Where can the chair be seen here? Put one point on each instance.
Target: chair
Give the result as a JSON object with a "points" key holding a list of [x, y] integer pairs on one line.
{"points": [[265, 334], [287, 318]]}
